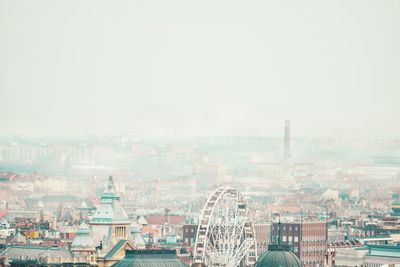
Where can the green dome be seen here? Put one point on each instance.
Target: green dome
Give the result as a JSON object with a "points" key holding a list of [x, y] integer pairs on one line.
{"points": [[278, 256]]}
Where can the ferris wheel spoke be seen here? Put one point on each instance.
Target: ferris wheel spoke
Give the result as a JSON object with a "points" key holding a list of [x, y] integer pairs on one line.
{"points": [[225, 235]]}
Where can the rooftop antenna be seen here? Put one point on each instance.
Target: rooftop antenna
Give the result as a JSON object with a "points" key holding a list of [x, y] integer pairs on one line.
{"points": [[279, 230], [326, 214], [109, 184], [301, 216]]}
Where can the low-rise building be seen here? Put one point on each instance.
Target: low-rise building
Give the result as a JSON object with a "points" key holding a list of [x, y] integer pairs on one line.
{"points": [[368, 256]]}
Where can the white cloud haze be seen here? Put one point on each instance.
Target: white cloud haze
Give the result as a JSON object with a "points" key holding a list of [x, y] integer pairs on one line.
{"points": [[200, 67]]}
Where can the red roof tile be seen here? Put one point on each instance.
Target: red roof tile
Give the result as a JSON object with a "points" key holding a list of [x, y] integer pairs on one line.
{"points": [[3, 213], [162, 219]]}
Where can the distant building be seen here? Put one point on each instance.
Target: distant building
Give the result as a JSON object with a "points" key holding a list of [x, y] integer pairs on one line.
{"points": [[334, 246], [102, 243], [308, 239], [262, 233], [189, 234], [368, 256], [25, 255]]}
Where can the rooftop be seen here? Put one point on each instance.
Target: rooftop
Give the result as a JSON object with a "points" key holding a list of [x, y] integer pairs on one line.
{"points": [[278, 258], [150, 258], [28, 252], [110, 209], [83, 239]]}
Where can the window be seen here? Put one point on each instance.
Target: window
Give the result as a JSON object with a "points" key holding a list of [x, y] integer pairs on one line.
{"points": [[296, 239], [120, 231], [284, 238]]}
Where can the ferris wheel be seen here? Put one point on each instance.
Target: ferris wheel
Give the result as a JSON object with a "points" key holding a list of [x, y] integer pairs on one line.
{"points": [[225, 236]]}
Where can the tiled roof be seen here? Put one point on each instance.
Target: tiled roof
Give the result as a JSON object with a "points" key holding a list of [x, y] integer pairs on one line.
{"points": [[344, 243], [150, 258], [116, 248], [83, 239], [162, 219], [3, 213]]}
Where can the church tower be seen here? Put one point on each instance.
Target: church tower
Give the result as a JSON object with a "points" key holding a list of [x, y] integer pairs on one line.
{"points": [[110, 223]]}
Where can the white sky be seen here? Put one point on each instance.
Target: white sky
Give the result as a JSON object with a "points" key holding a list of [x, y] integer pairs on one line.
{"points": [[200, 67]]}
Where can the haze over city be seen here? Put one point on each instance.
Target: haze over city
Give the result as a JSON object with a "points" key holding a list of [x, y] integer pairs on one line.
{"points": [[215, 68]]}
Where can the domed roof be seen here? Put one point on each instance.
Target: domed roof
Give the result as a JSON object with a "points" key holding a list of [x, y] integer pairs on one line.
{"points": [[278, 256]]}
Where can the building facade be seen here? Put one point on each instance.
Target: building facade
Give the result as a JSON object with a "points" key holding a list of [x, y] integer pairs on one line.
{"points": [[262, 232], [309, 240]]}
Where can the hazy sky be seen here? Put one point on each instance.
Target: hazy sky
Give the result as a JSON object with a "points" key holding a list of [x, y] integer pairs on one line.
{"points": [[200, 67]]}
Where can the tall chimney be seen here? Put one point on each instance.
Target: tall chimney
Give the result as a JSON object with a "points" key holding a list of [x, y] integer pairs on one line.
{"points": [[286, 149]]}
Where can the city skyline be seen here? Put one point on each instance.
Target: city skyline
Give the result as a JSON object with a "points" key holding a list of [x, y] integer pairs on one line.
{"points": [[214, 133]]}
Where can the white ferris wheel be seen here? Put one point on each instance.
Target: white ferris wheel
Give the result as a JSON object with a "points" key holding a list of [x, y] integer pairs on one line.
{"points": [[225, 236]]}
